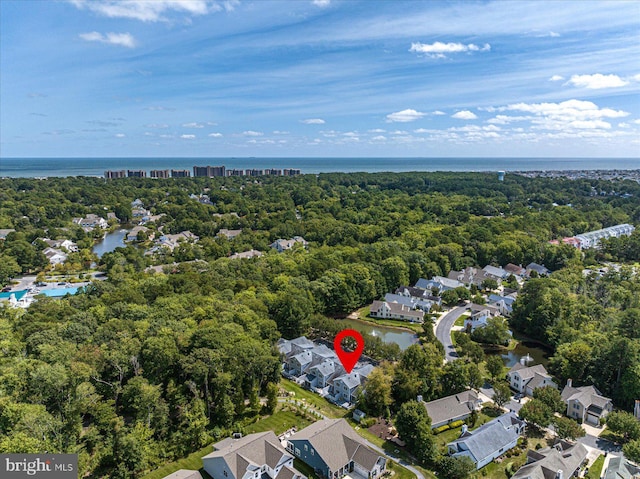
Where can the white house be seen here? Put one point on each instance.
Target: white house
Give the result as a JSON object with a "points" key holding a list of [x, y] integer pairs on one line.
{"points": [[283, 244], [387, 310], [525, 379], [592, 238], [55, 256], [92, 221]]}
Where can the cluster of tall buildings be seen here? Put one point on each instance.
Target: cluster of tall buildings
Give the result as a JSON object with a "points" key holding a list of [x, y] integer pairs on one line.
{"points": [[201, 171]]}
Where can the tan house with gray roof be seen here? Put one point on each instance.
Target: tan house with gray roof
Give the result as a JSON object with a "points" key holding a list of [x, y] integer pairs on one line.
{"points": [[184, 474], [256, 456], [586, 403], [333, 449]]}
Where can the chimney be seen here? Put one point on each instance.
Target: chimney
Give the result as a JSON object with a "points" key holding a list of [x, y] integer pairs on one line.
{"points": [[559, 474], [636, 410], [569, 382], [419, 397]]}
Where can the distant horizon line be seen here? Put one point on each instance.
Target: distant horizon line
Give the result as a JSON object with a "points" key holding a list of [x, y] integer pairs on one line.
{"points": [[317, 157]]}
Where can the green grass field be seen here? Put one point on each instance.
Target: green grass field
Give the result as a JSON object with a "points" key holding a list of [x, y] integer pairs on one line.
{"points": [[363, 315], [278, 423], [596, 468], [318, 403]]}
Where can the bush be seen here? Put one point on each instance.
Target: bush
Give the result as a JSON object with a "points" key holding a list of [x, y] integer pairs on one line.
{"points": [[455, 424], [440, 429], [368, 422]]}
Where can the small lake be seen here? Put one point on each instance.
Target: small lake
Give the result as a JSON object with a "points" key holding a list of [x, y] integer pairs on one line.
{"points": [[538, 354], [110, 242], [404, 339]]}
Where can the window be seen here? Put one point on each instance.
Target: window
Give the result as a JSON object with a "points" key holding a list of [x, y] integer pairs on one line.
{"points": [[225, 473], [313, 453], [306, 447], [297, 451], [576, 405]]}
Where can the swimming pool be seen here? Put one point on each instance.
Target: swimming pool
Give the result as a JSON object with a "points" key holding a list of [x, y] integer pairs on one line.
{"points": [[59, 292]]}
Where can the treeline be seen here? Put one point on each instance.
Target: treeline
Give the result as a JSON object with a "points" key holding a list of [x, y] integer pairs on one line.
{"points": [[144, 368]]}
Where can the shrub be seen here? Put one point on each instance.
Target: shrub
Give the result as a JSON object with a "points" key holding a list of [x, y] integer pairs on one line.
{"points": [[440, 429], [368, 422], [455, 424]]}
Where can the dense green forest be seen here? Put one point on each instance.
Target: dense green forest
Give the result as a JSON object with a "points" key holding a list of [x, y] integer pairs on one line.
{"points": [[146, 367]]}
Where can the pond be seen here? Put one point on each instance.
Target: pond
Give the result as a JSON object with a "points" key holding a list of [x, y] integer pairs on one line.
{"points": [[402, 338], [538, 354], [110, 242]]}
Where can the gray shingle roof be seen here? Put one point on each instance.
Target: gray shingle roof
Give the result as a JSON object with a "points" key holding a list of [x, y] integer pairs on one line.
{"points": [[585, 395], [450, 407], [337, 443], [563, 457], [184, 474], [252, 451], [489, 438], [529, 372], [618, 468]]}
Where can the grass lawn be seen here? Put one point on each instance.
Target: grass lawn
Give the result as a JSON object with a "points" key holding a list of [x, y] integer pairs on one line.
{"points": [[460, 320], [596, 468], [363, 315], [611, 436], [278, 423], [192, 461], [312, 399]]}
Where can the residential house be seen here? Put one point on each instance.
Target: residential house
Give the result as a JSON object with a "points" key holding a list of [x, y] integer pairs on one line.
{"points": [[479, 319], [320, 374], [525, 379], [5, 232], [333, 450], [387, 310], [65, 244], [452, 408], [294, 346], [55, 256], [133, 234], [476, 308], [112, 216], [489, 441], [592, 238], [229, 234], [586, 403], [619, 468], [283, 244], [256, 456], [412, 303], [562, 461], [468, 276], [252, 253], [184, 474], [137, 203], [439, 282], [503, 303], [172, 241], [538, 268], [418, 293], [91, 221], [515, 270], [345, 388], [494, 272]]}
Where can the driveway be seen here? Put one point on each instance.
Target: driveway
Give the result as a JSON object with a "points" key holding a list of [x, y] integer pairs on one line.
{"points": [[443, 332], [602, 444]]}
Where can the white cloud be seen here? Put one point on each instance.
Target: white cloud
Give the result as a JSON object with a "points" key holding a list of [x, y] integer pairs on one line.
{"points": [[377, 130], [637, 122], [121, 39], [422, 130], [439, 49], [313, 121], [252, 133], [465, 115], [636, 77], [193, 125], [188, 137], [159, 108], [146, 10], [279, 132], [322, 3], [556, 78], [120, 135], [379, 138], [597, 81], [404, 116], [438, 113], [157, 125], [215, 135]]}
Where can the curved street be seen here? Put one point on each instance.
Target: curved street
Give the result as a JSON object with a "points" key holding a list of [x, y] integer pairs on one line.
{"points": [[443, 332]]}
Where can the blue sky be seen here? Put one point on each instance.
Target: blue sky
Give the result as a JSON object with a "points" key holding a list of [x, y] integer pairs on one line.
{"points": [[184, 78]]}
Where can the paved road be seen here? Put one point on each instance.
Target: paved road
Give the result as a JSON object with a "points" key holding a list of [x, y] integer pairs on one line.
{"points": [[443, 332]]}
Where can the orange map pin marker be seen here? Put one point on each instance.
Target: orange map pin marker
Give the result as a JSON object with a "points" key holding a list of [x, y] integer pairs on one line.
{"points": [[348, 358]]}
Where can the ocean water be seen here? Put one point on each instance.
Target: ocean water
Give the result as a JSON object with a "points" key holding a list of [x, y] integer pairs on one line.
{"points": [[44, 167]]}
